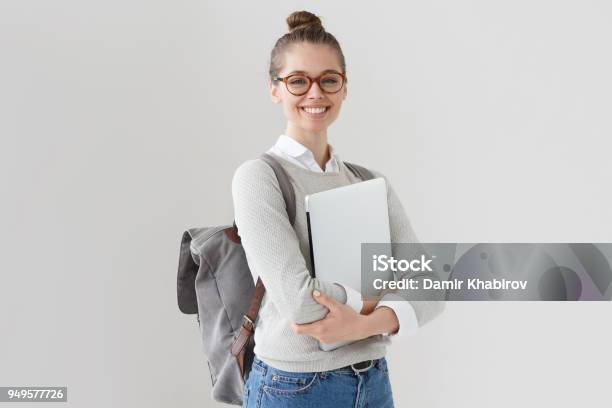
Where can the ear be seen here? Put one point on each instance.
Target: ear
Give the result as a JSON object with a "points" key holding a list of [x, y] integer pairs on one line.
{"points": [[345, 92], [274, 93]]}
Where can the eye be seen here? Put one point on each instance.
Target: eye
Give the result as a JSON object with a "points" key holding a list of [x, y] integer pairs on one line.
{"points": [[330, 81], [297, 81]]}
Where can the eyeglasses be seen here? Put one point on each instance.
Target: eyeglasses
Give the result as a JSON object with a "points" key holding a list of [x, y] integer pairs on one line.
{"points": [[299, 84]]}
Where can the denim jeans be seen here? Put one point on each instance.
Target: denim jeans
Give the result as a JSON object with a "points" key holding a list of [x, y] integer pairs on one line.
{"points": [[269, 387]]}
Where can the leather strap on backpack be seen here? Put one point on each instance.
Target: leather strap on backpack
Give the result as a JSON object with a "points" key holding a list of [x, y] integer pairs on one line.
{"points": [[248, 325]]}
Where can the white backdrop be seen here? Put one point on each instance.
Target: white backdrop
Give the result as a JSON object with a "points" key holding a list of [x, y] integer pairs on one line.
{"points": [[122, 123]]}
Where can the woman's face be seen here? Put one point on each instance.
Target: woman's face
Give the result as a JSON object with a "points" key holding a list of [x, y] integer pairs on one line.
{"points": [[312, 59]]}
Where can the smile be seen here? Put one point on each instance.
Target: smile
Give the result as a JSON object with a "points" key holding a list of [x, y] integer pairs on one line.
{"points": [[315, 113]]}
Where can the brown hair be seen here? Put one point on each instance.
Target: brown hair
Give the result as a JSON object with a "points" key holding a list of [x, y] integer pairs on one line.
{"points": [[303, 27]]}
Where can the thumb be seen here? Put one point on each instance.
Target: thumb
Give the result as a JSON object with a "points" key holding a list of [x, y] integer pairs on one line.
{"points": [[323, 299]]}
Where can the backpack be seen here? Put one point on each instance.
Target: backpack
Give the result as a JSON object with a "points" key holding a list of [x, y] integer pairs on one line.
{"points": [[215, 283]]}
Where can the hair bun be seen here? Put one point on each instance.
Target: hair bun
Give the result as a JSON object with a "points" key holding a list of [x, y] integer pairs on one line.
{"points": [[302, 19]]}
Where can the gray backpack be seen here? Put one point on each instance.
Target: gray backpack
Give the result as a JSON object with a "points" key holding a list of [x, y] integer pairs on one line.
{"points": [[215, 283]]}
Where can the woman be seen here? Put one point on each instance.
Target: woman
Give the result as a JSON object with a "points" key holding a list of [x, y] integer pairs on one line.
{"points": [[308, 77]]}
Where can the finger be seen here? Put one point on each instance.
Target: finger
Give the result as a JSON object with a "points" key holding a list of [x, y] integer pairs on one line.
{"points": [[305, 328], [309, 329], [324, 300]]}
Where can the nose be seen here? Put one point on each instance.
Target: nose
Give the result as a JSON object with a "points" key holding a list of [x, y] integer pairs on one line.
{"points": [[314, 92]]}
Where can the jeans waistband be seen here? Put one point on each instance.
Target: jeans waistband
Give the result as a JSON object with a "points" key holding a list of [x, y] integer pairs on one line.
{"points": [[361, 366]]}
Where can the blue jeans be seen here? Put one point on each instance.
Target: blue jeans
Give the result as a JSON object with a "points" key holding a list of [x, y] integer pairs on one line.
{"points": [[269, 387]]}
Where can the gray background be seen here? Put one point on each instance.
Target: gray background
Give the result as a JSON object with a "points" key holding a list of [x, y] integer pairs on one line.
{"points": [[122, 123]]}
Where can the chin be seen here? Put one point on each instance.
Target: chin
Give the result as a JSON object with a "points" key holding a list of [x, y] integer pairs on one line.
{"points": [[315, 126]]}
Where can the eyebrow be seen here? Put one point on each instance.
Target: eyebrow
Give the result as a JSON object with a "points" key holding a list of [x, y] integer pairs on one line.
{"points": [[304, 72]]}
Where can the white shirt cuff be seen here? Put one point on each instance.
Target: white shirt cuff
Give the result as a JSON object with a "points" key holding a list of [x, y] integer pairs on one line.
{"points": [[353, 298], [408, 323]]}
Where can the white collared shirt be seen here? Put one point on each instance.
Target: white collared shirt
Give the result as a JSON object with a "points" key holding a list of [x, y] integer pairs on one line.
{"points": [[292, 150], [299, 154]]}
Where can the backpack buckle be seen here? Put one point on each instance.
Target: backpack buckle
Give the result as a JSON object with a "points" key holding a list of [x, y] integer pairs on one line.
{"points": [[247, 323]]}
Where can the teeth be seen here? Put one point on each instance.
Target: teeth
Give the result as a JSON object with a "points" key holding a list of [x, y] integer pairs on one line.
{"points": [[315, 110]]}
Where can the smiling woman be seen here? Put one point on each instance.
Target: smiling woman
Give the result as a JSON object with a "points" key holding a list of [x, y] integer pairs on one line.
{"points": [[310, 63], [307, 77]]}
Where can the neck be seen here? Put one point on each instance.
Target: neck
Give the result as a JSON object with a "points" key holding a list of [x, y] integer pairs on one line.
{"points": [[315, 141]]}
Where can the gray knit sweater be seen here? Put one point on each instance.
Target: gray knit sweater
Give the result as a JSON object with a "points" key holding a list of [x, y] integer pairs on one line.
{"points": [[279, 253]]}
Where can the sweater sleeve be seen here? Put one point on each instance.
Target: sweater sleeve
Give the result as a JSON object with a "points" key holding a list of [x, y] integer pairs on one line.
{"points": [[272, 247], [402, 232]]}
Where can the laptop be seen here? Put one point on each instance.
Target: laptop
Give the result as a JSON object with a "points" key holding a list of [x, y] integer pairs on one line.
{"points": [[339, 221]]}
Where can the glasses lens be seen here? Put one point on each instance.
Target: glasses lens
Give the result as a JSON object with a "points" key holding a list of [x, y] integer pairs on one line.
{"points": [[297, 84], [331, 82]]}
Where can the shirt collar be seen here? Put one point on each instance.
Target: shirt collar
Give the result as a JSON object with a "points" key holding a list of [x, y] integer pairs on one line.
{"points": [[293, 148]]}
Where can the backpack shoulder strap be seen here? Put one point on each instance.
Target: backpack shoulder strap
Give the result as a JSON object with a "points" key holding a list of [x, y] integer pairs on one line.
{"points": [[359, 171], [284, 184]]}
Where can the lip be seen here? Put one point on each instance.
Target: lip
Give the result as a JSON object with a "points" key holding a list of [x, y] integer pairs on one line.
{"points": [[315, 115]]}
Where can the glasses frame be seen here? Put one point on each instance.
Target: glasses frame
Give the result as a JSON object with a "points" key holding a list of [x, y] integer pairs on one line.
{"points": [[312, 81]]}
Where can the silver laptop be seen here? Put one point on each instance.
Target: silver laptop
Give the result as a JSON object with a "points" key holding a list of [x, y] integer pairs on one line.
{"points": [[339, 221]]}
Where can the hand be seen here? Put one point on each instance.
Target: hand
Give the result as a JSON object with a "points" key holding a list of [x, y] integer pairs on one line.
{"points": [[341, 323], [368, 306]]}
